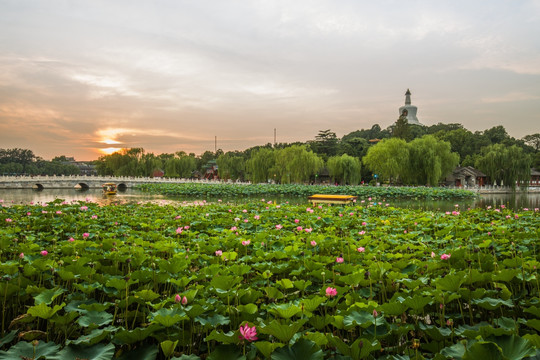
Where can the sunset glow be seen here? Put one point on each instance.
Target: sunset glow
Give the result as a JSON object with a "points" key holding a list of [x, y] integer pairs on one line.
{"points": [[109, 150]]}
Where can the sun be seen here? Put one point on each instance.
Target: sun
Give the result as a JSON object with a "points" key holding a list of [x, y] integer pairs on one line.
{"points": [[109, 150]]}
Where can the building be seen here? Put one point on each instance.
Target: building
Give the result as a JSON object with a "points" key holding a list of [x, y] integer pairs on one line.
{"points": [[535, 178], [410, 110], [466, 176]]}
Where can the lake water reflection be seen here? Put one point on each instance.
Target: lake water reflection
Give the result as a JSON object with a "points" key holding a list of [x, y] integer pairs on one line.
{"points": [[25, 196]]}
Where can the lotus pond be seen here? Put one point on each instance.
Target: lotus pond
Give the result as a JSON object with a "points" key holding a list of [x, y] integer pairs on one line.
{"points": [[265, 280]]}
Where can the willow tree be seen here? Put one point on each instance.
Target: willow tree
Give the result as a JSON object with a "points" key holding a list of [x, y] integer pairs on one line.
{"points": [[505, 164], [388, 159], [180, 165], [231, 165], [296, 164], [430, 160], [345, 169], [260, 165]]}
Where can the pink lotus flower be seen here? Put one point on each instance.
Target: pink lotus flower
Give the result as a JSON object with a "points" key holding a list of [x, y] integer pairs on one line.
{"points": [[445, 256], [308, 230], [8, 220], [21, 255], [246, 242], [313, 243], [298, 228], [28, 213], [331, 292], [248, 333], [339, 259], [44, 252], [296, 221], [432, 254], [84, 208], [233, 228], [179, 230], [219, 252], [256, 217], [177, 298], [375, 313], [279, 226], [71, 239], [85, 235], [184, 300], [58, 212], [361, 249], [361, 232]]}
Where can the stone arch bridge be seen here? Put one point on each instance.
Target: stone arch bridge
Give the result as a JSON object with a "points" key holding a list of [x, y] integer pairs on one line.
{"points": [[83, 182]]}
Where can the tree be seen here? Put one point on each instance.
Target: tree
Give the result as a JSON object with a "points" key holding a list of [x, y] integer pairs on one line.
{"points": [[355, 146], [496, 134], [260, 165], [505, 164], [325, 144], [345, 169], [388, 159], [23, 157], [533, 141], [180, 165], [430, 160], [232, 166], [401, 128], [296, 164]]}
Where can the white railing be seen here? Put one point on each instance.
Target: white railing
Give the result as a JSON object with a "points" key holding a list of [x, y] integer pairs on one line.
{"points": [[116, 179]]}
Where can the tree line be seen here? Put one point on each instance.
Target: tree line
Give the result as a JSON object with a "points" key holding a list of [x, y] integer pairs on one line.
{"points": [[24, 162], [401, 154]]}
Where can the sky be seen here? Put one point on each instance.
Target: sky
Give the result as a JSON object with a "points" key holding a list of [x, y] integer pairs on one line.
{"points": [[83, 78]]}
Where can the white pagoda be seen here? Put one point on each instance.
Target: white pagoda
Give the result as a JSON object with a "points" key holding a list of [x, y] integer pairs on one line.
{"points": [[410, 109]]}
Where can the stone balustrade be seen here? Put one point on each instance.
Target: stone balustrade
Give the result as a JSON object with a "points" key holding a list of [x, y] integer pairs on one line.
{"points": [[67, 182]]}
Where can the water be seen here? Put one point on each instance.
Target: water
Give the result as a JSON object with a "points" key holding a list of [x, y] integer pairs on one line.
{"points": [[25, 196]]}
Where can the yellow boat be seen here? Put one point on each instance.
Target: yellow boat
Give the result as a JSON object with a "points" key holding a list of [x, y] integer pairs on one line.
{"points": [[109, 188], [331, 199]]}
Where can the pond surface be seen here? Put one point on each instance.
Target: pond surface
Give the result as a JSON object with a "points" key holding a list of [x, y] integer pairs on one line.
{"points": [[25, 196]]}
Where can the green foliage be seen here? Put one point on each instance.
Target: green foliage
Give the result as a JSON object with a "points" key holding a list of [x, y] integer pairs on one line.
{"points": [[296, 164], [345, 169], [505, 165], [325, 144], [430, 161], [401, 128], [260, 165], [388, 159], [180, 165], [231, 166], [252, 190], [124, 296]]}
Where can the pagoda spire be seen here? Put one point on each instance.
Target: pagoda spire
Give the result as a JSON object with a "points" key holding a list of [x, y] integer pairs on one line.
{"points": [[409, 109]]}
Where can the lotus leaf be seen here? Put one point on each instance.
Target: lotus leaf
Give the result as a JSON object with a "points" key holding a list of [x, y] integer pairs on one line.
{"points": [[302, 349]]}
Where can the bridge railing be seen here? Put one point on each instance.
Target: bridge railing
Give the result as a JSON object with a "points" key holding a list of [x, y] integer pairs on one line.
{"points": [[115, 179]]}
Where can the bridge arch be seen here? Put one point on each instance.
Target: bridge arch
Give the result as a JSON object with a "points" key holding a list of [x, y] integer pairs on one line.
{"points": [[122, 187], [38, 187], [82, 186]]}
